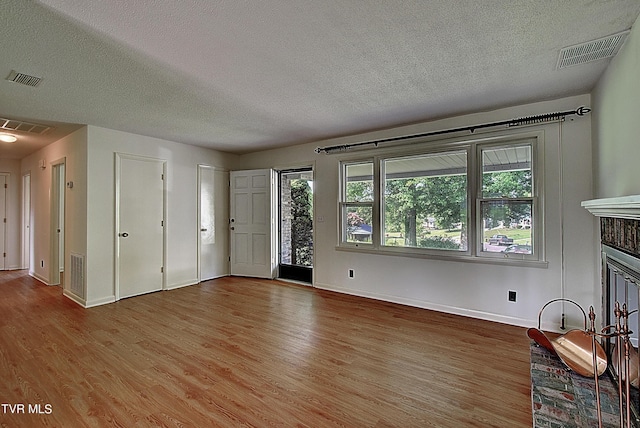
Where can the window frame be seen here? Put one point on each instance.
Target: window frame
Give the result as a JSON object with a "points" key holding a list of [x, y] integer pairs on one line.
{"points": [[533, 199], [344, 205], [475, 232], [398, 155]]}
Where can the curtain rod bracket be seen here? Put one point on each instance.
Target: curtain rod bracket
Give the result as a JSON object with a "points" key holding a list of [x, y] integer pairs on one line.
{"points": [[582, 110]]}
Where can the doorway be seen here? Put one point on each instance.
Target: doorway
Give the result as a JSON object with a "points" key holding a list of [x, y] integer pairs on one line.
{"points": [[57, 220], [213, 219], [26, 222], [4, 179], [296, 225]]}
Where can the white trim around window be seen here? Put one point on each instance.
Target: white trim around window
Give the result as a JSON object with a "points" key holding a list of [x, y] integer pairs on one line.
{"points": [[488, 208]]}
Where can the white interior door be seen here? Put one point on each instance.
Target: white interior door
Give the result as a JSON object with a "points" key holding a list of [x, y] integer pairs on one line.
{"points": [[26, 221], [139, 225], [3, 218], [213, 189], [252, 223]]}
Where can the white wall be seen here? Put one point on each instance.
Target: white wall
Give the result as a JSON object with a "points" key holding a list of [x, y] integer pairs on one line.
{"points": [[616, 128], [73, 148], [451, 286], [14, 219], [474, 289], [182, 201]]}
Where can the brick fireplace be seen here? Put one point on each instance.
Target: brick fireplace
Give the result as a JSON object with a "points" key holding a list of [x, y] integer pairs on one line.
{"points": [[619, 220]]}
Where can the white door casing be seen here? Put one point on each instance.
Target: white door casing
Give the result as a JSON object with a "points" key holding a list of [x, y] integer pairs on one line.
{"points": [[57, 221], [213, 220], [61, 216], [252, 223], [140, 237], [4, 180], [26, 221]]}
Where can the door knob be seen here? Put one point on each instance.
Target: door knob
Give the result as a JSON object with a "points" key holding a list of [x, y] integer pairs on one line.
{"points": [[233, 228], [203, 230], [123, 234]]}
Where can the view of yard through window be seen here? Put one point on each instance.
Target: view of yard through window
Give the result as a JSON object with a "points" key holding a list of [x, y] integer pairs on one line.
{"points": [[424, 201], [507, 203]]}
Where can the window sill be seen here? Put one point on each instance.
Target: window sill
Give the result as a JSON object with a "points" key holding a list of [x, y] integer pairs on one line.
{"points": [[369, 249]]}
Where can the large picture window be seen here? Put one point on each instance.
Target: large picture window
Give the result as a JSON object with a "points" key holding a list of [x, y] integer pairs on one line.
{"points": [[473, 199], [425, 201]]}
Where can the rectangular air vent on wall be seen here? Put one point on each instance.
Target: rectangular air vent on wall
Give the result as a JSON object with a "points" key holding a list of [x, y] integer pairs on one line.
{"points": [[77, 275], [25, 79], [594, 50]]}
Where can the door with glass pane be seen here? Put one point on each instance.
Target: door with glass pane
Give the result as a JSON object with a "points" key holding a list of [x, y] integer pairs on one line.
{"points": [[296, 225]]}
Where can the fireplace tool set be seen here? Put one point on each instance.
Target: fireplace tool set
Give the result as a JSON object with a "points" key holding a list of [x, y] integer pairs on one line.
{"points": [[581, 352]]}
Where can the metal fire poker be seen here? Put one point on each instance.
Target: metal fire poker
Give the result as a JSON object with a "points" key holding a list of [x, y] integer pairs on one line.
{"points": [[621, 334]]}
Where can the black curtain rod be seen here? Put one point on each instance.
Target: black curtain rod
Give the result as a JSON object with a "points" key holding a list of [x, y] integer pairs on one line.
{"points": [[529, 120]]}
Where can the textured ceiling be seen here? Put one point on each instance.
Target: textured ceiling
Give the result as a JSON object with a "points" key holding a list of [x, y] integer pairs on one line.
{"points": [[240, 76]]}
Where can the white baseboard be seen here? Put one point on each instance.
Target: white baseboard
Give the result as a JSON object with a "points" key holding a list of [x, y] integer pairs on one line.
{"points": [[40, 278], [76, 299], [520, 322], [180, 285], [215, 277], [101, 301]]}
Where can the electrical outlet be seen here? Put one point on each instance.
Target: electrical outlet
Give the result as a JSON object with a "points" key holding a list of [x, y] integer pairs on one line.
{"points": [[512, 296], [350, 273]]}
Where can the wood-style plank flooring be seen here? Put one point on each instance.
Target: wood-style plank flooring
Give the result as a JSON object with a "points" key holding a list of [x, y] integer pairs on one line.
{"points": [[242, 352]]}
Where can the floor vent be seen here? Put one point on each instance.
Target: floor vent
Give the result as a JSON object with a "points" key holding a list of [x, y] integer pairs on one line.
{"points": [[594, 50], [24, 79], [18, 125], [77, 275]]}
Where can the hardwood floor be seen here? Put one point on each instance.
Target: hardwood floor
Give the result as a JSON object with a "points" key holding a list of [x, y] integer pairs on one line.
{"points": [[243, 352]]}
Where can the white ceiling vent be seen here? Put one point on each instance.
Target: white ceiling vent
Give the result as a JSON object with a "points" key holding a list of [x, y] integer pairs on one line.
{"points": [[25, 79], [18, 125], [594, 50]]}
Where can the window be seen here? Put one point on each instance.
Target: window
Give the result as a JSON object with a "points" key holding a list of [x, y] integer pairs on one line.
{"points": [[357, 208], [506, 200], [472, 199], [425, 201]]}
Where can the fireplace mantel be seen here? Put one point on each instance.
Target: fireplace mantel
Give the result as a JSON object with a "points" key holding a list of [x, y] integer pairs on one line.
{"points": [[623, 207]]}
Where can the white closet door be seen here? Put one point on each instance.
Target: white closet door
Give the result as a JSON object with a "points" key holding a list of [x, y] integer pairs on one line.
{"points": [[140, 224]]}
